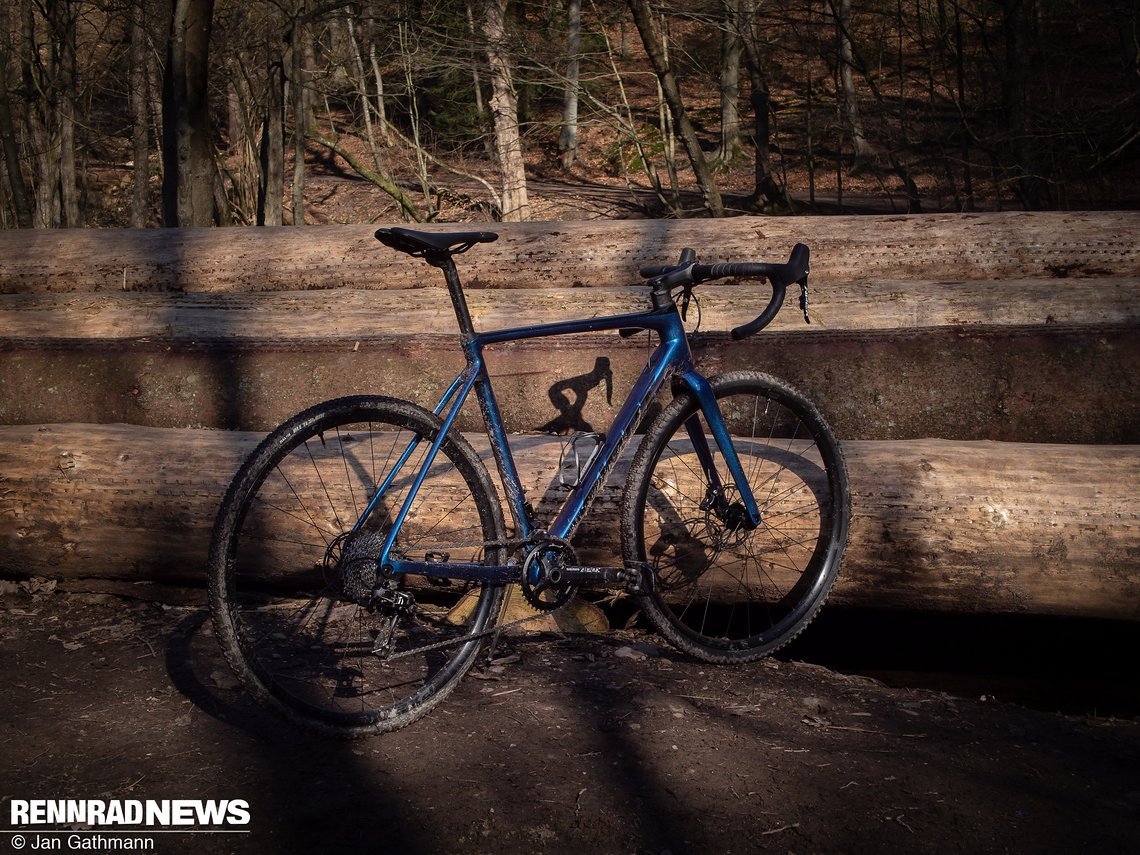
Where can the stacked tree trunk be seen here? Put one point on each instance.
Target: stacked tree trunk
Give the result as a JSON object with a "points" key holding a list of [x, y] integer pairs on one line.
{"points": [[981, 370]]}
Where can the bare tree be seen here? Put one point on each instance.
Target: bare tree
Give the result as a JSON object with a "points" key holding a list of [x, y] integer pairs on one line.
{"points": [[140, 121], [188, 179], [13, 167], [864, 151], [765, 184], [568, 141], [62, 16], [271, 186], [731, 49], [643, 18], [300, 46], [505, 112]]}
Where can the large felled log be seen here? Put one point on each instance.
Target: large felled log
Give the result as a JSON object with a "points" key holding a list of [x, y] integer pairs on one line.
{"points": [[563, 254], [351, 315], [1036, 384], [974, 527], [884, 359]]}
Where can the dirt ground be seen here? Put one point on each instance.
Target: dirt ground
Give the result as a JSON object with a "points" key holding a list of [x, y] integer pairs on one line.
{"points": [[583, 744]]}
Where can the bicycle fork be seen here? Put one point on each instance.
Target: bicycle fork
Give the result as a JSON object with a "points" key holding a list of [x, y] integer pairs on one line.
{"points": [[716, 500]]}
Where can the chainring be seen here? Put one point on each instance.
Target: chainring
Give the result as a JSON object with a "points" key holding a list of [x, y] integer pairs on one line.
{"points": [[548, 595]]}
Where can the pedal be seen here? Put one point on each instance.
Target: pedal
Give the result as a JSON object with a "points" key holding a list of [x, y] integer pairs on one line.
{"points": [[639, 579]]}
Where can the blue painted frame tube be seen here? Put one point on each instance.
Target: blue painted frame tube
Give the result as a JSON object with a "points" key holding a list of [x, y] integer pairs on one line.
{"points": [[665, 359], [465, 381], [671, 356], [703, 391], [383, 488]]}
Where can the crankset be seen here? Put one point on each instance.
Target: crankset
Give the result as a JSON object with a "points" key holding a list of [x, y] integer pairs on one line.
{"points": [[547, 563]]}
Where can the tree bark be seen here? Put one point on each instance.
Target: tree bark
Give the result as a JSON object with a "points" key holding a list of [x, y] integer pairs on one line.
{"points": [[568, 140], [765, 184], [944, 247], [1020, 71], [505, 112], [41, 134], [188, 146], [301, 117], [377, 176], [271, 186], [643, 18], [64, 26]]}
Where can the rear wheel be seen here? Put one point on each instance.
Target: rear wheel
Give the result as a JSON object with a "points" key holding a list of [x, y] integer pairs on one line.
{"points": [[292, 581], [725, 591]]}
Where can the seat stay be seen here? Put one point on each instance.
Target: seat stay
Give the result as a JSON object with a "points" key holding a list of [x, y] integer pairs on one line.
{"points": [[464, 383]]}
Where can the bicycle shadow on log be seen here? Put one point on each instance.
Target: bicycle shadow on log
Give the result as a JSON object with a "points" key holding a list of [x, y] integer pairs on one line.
{"points": [[570, 417], [311, 791]]}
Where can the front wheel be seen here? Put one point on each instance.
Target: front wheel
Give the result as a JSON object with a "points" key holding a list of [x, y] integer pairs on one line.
{"points": [[724, 590], [298, 607]]}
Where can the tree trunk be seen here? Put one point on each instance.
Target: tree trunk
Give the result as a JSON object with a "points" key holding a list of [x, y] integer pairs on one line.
{"points": [[140, 127], [963, 133], [864, 151], [362, 88], [1020, 71], [765, 184], [377, 176], [568, 141], [643, 18], [64, 26], [20, 201], [188, 147], [301, 118], [271, 187], [731, 48], [42, 131], [844, 249], [504, 109]]}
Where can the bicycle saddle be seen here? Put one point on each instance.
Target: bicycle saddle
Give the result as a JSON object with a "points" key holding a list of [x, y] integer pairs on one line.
{"points": [[419, 244]]}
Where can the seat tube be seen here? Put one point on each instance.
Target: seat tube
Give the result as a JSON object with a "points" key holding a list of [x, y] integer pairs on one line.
{"points": [[458, 300], [500, 447]]}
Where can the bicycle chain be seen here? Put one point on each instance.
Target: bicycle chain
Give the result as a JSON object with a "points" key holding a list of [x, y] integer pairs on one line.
{"points": [[531, 596], [463, 639]]}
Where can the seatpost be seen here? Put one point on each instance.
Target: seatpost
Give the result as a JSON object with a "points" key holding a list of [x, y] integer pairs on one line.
{"points": [[446, 263]]}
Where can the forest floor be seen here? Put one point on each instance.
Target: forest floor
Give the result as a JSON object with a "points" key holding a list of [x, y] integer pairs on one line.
{"points": [[568, 744]]}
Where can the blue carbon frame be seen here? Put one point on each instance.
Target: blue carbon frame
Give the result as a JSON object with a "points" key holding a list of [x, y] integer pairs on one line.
{"points": [[671, 357]]}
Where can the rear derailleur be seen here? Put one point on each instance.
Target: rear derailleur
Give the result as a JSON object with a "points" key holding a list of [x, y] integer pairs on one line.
{"points": [[354, 574]]}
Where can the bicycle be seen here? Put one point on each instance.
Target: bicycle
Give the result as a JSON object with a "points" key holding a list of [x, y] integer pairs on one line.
{"points": [[360, 557]]}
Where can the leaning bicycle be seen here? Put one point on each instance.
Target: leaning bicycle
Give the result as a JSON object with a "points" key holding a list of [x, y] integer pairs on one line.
{"points": [[361, 556]]}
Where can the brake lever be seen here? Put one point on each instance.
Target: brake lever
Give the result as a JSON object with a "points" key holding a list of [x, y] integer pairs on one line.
{"points": [[804, 301]]}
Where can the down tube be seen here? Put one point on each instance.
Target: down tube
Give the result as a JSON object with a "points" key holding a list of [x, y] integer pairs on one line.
{"points": [[665, 360]]}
